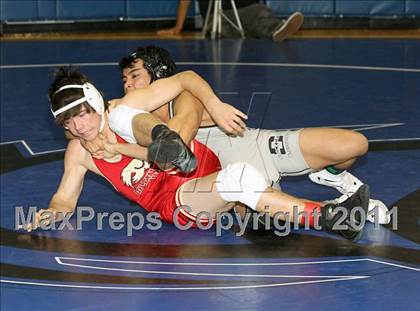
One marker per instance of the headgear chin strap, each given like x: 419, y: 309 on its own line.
x: 90, y: 95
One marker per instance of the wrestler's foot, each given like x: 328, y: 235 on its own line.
x: 167, y: 149
x: 335, y: 215
x: 377, y: 209
x: 288, y: 27
x: 347, y: 184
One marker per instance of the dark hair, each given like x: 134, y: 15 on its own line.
x: 157, y: 61
x: 65, y: 76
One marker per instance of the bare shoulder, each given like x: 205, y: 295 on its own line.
x: 114, y: 103
x: 76, y: 154
x: 77, y: 157
x: 74, y: 146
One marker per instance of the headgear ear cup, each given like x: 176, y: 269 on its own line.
x: 94, y: 98
x: 161, y: 72
x: 156, y: 61
x: 90, y: 95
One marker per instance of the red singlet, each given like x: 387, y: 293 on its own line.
x: 153, y: 189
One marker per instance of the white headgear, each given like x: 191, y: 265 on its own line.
x: 90, y: 95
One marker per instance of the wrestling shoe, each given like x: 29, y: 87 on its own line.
x: 334, y: 215
x: 347, y: 184
x: 377, y: 209
x: 344, y: 182
x: 288, y: 27
x: 167, y: 150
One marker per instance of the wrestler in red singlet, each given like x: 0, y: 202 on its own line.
x: 153, y: 189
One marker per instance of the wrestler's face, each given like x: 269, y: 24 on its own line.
x: 135, y: 76
x: 84, y: 125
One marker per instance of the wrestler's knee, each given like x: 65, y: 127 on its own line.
x: 241, y: 182
x: 357, y: 144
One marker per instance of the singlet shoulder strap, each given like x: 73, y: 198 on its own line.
x: 171, y: 109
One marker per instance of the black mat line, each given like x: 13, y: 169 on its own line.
x: 36, y: 274
x: 265, y: 244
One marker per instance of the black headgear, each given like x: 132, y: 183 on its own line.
x: 157, y: 61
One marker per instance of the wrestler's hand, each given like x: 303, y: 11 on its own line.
x: 228, y: 117
x: 42, y: 217
x: 109, y: 149
x: 95, y: 147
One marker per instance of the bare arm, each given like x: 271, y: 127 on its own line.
x: 108, y: 149
x: 65, y: 199
x: 181, y: 15
x: 163, y: 90
x: 188, y: 112
x: 131, y: 150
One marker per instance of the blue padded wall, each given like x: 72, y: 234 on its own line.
x: 19, y: 10
x: 89, y: 9
x: 347, y: 8
x: 47, y: 10
x: 412, y: 7
x: 310, y: 8
x: 39, y: 10
x: 352, y: 8
x: 150, y: 8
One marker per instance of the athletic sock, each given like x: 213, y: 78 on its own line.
x: 333, y: 170
x: 310, y: 207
